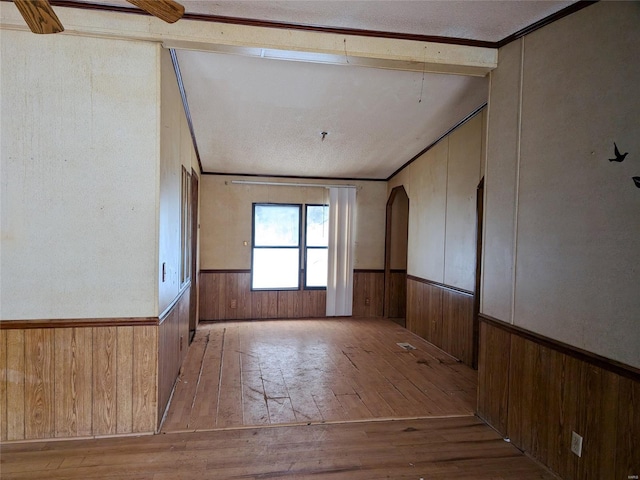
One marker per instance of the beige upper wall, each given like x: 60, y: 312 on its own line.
x: 441, y: 186
x: 575, y: 227
x: 79, y: 134
x: 498, y: 247
x: 226, y: 211
x: 176, y: 151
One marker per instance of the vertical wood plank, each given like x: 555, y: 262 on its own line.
x: 39, y: 385
x: 601, y: 413
x: 627, y: 451
x: 377, y: 300
x: 73, y: 381
x: 206, y: 296
x: 424, y: 328
x: 3, y: 385
x: 231, y: 296
x: 555, y: 416
x: 145, y: 378
x: 183, y: 328
x: 221, y: 283
x: 540, y: 419
x: 168, y: 358
x: 15, y: 385
x: 573, y: 415
x: 434, y: 314
x: 272, y: 305
x: 494, y: 368
x: 104, y: 380
x: 256, y: 304
x: 244, y: 295
x: 411, y: 307
x: 124, y: 380
x: 314, y: 303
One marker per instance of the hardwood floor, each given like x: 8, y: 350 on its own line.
x: 300, y: 399
x: 437, y: 448
x: 313, y: 371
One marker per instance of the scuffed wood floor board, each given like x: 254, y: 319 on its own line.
x: 437, y: 448
x: 310, y: 371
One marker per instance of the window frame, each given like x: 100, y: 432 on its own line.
x: 254, y: 247
x: 306, y: 247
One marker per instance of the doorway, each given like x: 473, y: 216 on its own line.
x: 395, y: 263
x: 476, y: 292
x: 193, y: 293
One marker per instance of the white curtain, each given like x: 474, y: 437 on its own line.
x: 342, y: 204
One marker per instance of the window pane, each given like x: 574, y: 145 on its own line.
x: 275, y: 268
x: 317, y: 226
x: 317, y: 267
x: 276, y: 225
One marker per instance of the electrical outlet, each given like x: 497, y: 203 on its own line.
x: 233, y: 303
x: 367, y: 301
x: 576, y: 444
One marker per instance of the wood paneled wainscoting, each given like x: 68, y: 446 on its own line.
x: 442, y: 315
x: 173, y: 343
x: 74, y: 378
x: 227, y: 295
x: 537, y: 391
x: 397, y: 294
x: 77, y: 378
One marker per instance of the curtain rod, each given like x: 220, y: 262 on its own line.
x: 285, y: 184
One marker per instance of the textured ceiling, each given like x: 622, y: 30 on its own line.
x: 486, y: 20
x: 263, y: 116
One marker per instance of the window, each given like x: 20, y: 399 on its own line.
x: 276, y: 247
x: 279, y: 245
x: 316, y: 246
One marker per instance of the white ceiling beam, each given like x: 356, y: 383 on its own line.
x: 297, y: 45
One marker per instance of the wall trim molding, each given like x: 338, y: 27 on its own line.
x: 78, y: 322
x: 255, y: 22
x: 243, y: 270
x: 440, y: 285
x: 574, y: 7
x: 293, y: 177
x: 225, y: 270
x: 591, y: 358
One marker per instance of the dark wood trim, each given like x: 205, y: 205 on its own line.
x: 574, y: 7
x: 185, y: 103
x: 478, y: 279
x: 167, y: 311
x: 398, y: 270
x: 434, y: 143
x: 355, y: 270
x: 441, y: 285
x: 250, y: 22
x: 254, y: 22
x: 605, y: 363
x: 78, y: 322
x: 213, y: 270
x: 257, y: 175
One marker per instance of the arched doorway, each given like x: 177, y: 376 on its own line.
x: 395, y: 262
